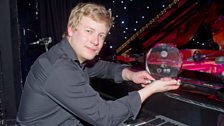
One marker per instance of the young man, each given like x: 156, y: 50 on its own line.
x: 57, y: 89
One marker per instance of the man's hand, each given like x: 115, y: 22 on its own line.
x: 142, y: 77
x: 162, y: 85
x: 138, y: 77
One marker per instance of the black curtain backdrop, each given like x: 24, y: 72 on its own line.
x: 10, y: 76
x: 53, y: 18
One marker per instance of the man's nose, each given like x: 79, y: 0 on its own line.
x: 95, y: 40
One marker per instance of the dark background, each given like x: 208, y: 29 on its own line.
x: 24, y: 22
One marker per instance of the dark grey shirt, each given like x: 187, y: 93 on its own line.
x: 57, y: 92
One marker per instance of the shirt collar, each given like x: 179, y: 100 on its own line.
x: 67, y: 48
x: 70, y: 51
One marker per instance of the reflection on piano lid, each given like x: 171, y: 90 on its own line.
x: 199, y: 101
x: 206, y: 66
x: 199, y: 78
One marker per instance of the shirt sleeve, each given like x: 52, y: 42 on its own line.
x: 106, y: 70
x: 69, y: 87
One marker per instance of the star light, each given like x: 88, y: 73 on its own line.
x: 127, y: 13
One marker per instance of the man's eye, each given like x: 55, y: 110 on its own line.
x: 102, y: 36
x: 88, y: 31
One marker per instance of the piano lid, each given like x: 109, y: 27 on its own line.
x: 176, y: 24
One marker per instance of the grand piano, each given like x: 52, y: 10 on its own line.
x: 200, y: 100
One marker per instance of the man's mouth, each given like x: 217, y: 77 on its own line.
x: 91, y: 49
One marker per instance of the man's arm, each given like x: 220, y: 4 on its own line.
x: 106, y: 70
x: 69, y: 87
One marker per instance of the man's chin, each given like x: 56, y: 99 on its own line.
x: 90, y: 57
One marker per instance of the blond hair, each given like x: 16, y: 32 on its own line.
x: 95, y: 11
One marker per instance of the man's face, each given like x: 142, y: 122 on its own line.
x: 88, y: 38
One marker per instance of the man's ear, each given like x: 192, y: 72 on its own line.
x: 70, y: 31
